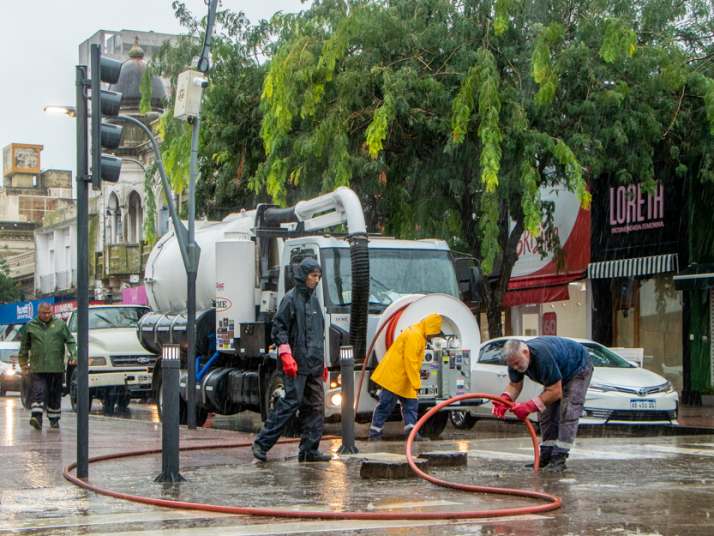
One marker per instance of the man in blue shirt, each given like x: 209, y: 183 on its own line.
x: 564, y: 368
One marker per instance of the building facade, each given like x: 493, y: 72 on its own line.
x: 118, y: 211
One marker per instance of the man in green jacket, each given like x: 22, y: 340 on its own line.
x: 42, y: 356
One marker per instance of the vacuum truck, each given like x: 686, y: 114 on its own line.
x: 370, y: 284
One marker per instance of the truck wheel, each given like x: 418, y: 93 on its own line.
x: 201, y: 413
x: 73, y: 393
x: 274, y: 392
x: 434, y: 426
x: 462, y: 420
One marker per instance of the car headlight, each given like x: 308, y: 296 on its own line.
x: 10, y: 372
x: 97, y: 361
x: 336, y: 400
x: 668, y: 387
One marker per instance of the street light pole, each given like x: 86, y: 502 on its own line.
x: 82, y: 276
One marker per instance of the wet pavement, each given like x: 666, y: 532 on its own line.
x: 618, y: 482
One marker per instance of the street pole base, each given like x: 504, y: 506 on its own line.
x: 170, y: 477
x: 347, y: 449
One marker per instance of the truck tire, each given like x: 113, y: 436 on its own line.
x: 201, y: 413
x: 435, y: 425
x: 73, y: 392
x: 276, y: 390
x: 462, y: 420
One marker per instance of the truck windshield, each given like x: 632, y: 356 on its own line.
x: 111, y: 317
x: 392, y: 272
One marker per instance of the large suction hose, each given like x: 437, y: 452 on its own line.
x: 551, y: 502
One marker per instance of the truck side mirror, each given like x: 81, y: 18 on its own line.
x: 475, y: 278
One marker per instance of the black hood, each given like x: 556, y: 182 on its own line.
x: 306, y: 267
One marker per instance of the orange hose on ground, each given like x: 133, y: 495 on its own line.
x: 552, y: 502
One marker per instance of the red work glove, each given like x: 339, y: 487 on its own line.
x: 523, y: 410
x: 290, y: 367
x: 499, y: 410
x: 325, y: 375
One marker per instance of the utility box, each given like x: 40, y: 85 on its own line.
x: 189, y: 88
x: 445, y: 372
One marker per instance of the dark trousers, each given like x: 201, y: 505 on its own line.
x: 46, y: 392
x: 559, y: 421
x: 304, y: 395
x: 387, y: 401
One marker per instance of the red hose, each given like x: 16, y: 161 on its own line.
x: 551, y: 504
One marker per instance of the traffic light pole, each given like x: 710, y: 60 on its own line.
x: 82, y: 276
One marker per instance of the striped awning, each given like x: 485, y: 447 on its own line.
x: 656, y: 264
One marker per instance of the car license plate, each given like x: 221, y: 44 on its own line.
x: 643, y: 404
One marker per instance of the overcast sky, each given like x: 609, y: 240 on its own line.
x: 39, y: 41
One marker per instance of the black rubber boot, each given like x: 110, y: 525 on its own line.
x: 557, y: 462
x: 36, y: 422
x: 314, y: 456
x: 259, y: 453
x: 546, y: 454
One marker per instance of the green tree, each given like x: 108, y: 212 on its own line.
x: 8, y: 288
x: 447, y: 117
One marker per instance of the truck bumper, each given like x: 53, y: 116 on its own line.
x: 134, y: 381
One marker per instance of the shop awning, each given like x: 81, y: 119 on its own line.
x: 696, y: 276
x: 656, y: 264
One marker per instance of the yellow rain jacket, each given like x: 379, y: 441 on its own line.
x: 398, y: 371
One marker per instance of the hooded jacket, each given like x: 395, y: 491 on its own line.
x: 42, y: 346
x: 299, y: 323
x: 398, y: 372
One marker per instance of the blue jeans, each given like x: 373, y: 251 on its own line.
x: 382, y: 412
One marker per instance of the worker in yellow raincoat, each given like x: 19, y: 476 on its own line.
x: 398, y: 375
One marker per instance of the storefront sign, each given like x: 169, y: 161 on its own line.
x: 631, y: 209
x: 21, y: 312
x: 135, y: 295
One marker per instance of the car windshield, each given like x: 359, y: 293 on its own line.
x: 112, y: 317
x: 8, y: 355
x: 604, y: 357
x: 393, y: 273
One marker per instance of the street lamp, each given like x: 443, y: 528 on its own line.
x: 58, y: 109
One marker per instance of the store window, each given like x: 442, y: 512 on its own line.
x: 648, y: 315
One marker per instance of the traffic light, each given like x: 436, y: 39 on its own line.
x: 104, y: 103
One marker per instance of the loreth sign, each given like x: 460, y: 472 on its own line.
x: 633, y: 209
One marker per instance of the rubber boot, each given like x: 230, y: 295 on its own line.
x: 313, y: 456
x: 545, y: 457
x: 557, y: 462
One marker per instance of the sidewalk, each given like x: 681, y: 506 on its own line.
x: 35, y: 498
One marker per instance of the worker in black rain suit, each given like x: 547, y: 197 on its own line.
x: 298, y: 332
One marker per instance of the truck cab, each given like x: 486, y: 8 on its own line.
x: 119, y: 367
x: 397, y: 268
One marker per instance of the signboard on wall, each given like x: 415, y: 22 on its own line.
x: 629, y: 221
x: 21, y: 312
x: 550, y: 323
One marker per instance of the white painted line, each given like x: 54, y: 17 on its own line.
x: 158, y: 515
x: 415, y: 504
x: 270, y: 528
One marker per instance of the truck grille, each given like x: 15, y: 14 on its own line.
x: 133, y: 360
x: 627, y: 415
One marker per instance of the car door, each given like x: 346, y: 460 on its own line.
x: 490, y: 374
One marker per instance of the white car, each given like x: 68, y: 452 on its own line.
x: 619, y: 392
x: 10, y: 373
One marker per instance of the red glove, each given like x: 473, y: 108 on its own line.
x: 325, y: 375
x: 523, y: 410
x: 499, y: 410
x: 290, y: 367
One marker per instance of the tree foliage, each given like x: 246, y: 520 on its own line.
x: 447, y: 117
x: 8, y: 287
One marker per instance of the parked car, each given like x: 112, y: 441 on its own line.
x: 120, y: 368
x: 619, y: 392
x: 10, y: 373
